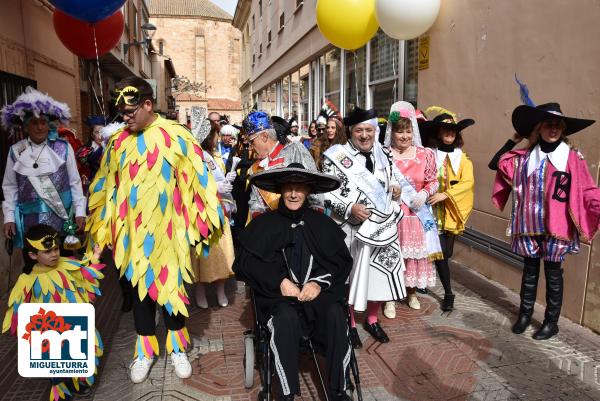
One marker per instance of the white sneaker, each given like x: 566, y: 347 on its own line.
x: 413, y: 302
x: 183, y: 368
x: 139, y: 369
x: 389, y: 310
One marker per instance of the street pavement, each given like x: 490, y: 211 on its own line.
x: 469, y: 354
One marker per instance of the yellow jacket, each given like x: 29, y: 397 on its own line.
x: 453, y: 213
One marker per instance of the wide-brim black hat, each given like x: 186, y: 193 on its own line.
x: 294, y: 173
x: 358, y: 116
x: 430, y: 128
x: 525, y: 118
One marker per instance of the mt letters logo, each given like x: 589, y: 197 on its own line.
x: 56, y: 340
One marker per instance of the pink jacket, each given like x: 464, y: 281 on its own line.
x: 560, y: 216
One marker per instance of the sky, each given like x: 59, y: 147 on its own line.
x: 227, y: 5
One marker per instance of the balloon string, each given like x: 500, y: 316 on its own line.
x: 99, y: 74
x: 355, y: 78
x: 395, y: 90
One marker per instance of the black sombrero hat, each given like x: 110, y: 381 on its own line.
x: 430, y: 128
x: 294, y: 173
x: 525, y: 118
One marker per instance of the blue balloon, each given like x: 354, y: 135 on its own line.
x: 89, y: 10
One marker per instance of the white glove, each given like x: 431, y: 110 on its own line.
x: 224, y: 187
x: 231, y: 176
x: 418, y: 200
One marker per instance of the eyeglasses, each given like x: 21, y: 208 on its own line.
x: 130, y: 113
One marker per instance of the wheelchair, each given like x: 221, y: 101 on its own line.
x: 258, y: 355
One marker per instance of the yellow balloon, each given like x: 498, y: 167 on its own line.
x: 348, y: 24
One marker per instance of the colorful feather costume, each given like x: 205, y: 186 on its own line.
x: 70, y: 281
x: 152, y: 198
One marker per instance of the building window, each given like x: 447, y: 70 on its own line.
x: 253, y: 59
x: 253, y: 24
x: 383, y: 72
x: 285, y: 97
x: 332, y: 71
x: 304, y: 91
x: 260, y: 8
x: 260, y: 50
x: 281, y: 21
x: 295, y: 98
x: 161, y: 47
x: 411, y: 72
x: 355, y: 83
x: 269, y: 38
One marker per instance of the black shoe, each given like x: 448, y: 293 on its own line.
x: 448, y: 303
x: 289, y: 397
x: 548, y: 330
x: 127, y: 304
x: 377, y: 332
x: 521, y: 324
x: 424, y: 291
x: 354, y: 338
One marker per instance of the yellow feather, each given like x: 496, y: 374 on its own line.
x: 437, y: 110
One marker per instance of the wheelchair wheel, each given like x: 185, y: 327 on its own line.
x: 249, y: 361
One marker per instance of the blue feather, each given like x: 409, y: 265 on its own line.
x: 149, y: 276
x: 129, y: 271
x: 182, y: 145
x: 148, y: 245
x: 141, y: 144
x: 133, y: 198
x: 524, y: 92
x: 166, y: 171
x: 163, y: 199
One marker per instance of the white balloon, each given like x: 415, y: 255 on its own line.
x: 406, y: 19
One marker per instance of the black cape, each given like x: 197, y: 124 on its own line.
x: 260, y: 264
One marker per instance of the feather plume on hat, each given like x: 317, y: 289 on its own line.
x: 36, y: 103
x: 437, y: 110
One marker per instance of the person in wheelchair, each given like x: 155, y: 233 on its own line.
x: 296, y: 262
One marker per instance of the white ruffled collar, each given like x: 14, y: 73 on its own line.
x: 559, y: 158
x: 48, y: 162
x: 455, y: 156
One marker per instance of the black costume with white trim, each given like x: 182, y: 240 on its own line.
x: 313, y: 247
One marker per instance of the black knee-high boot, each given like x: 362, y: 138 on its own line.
x: 554, y: 295
x: 529, y: 282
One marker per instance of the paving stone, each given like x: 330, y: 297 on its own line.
x: 469, y: 354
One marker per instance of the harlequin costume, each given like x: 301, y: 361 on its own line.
x: 41, y: 181
x: 456, y: 181
x: 282, y: 154
x: 367, y: 178
x: 152, y: 200
x: 303, y: 246
x: 555, y: 204
x: 417, y: 231
x: 70, y: 281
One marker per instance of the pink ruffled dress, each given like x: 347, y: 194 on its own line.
x: 421, y: 172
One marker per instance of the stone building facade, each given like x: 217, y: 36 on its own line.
x: 205, y: 50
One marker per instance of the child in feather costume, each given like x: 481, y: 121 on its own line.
x: 49, y: 278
